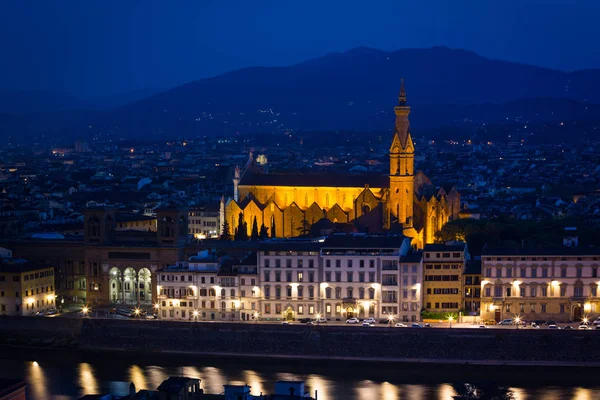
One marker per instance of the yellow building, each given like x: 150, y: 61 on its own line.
x: 443, y: 267
x: 26, y: 289
x: 287, y: 204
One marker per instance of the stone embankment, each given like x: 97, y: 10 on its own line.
x: 490, y: 346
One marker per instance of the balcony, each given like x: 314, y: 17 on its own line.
x: 389, y: 283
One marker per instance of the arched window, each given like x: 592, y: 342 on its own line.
x: 349, y: 292
x: 223, y: 306
x: 222, y: 292
x: 361, y: 293
x: 211, y: 292
x: 232, y: 292
x: 328, y: 293
x: 371, y: 293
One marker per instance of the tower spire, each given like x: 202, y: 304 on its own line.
x: 402, y: 95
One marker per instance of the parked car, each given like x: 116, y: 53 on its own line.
x: 507, y: 321
x: 304, y: 320
x: 551, y: 322
x: 427, y: 325
x: 321, y: 320
x: 400, y: 325
x: 483, y: 326
x: 52, y: 311
x: 490, y: 322
x: 152, y: 316
x: 596, y: 322
x: 367, y: 324
x: 370, y: 320
x: 540, y: 321
x: 352, y: 321
x: 40, y: 314
x: 535, y: 326
x: 568, y: 327
x: 286, y: 322
x: 553, y: 326
x: 416, y: 325
x: 583, y: 327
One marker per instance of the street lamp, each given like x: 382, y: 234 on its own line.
x: 195, y: 314
x: 517, y: 321
x: 136, y: 311
x: 318, y: 316
x: 585, y: 320
x: 85, y: 310
x: 256, y: 315
x: 390, y: 319
x: 450, y: 319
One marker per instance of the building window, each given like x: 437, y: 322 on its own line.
x: 300, y: 276
x: 300, y: 292
x: 563, y: 273
x: 522, y: 272
x: 338, y: 292
x: 533, y: 291
x: 544, y: 291
x: 562, y: 308
x: 349, y: 276
x: 579, y: 272
x: 543, y: 308
x: 563, y: 291
x: 508, y: 291
x: 534, y: 272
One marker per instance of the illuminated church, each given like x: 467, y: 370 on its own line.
x: 288, y: 204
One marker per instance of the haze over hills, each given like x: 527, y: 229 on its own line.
x: 356, y: 90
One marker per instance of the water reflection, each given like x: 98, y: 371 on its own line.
x: 136, y: 375
x: 70, y: 379
x: 36, y: 379
x: 255, y: 382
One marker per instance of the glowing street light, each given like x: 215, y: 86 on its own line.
x: 136, y: 311
x: 390, y: 319
x: 256, y: 315
x: 85, y: 310
x: 517, y: 321
x: 585, y: 320
x: 450, y: 320
x: 318, y: 317
x: 157, y: 306
x: 195, y: 314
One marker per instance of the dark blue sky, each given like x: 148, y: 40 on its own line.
x: 102, y: 47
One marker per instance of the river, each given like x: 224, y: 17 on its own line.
x: 68, y: 375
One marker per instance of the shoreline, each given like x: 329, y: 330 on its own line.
x: 294, y: 358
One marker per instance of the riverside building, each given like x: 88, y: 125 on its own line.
x: 444, y: 266
x: 559, y: 284
x: 25, y: 288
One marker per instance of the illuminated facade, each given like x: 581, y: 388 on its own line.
x: 26, y: 289
x: 444, y: 266
x: 288, y: 205
x: 555, y: 284
x: 340, y: 277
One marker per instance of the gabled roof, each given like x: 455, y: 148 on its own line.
x: 253, y: 178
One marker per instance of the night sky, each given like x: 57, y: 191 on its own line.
x: 89, y: 48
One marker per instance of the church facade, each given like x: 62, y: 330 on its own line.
x: 291, y: 204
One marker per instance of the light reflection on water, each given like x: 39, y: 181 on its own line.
x: 47, y: 380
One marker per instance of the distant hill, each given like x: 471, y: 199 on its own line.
x: 357, y: 90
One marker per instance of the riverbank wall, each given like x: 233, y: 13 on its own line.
x: 473, y: 346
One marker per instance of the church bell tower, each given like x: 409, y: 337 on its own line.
x: 402, y: 161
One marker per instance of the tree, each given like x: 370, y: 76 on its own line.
x: 273, y: 234
x: 264, y: 232
x: 254, y: 234
x: 226, y: 235
x: 241, y: 232
x: 305, y: 228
